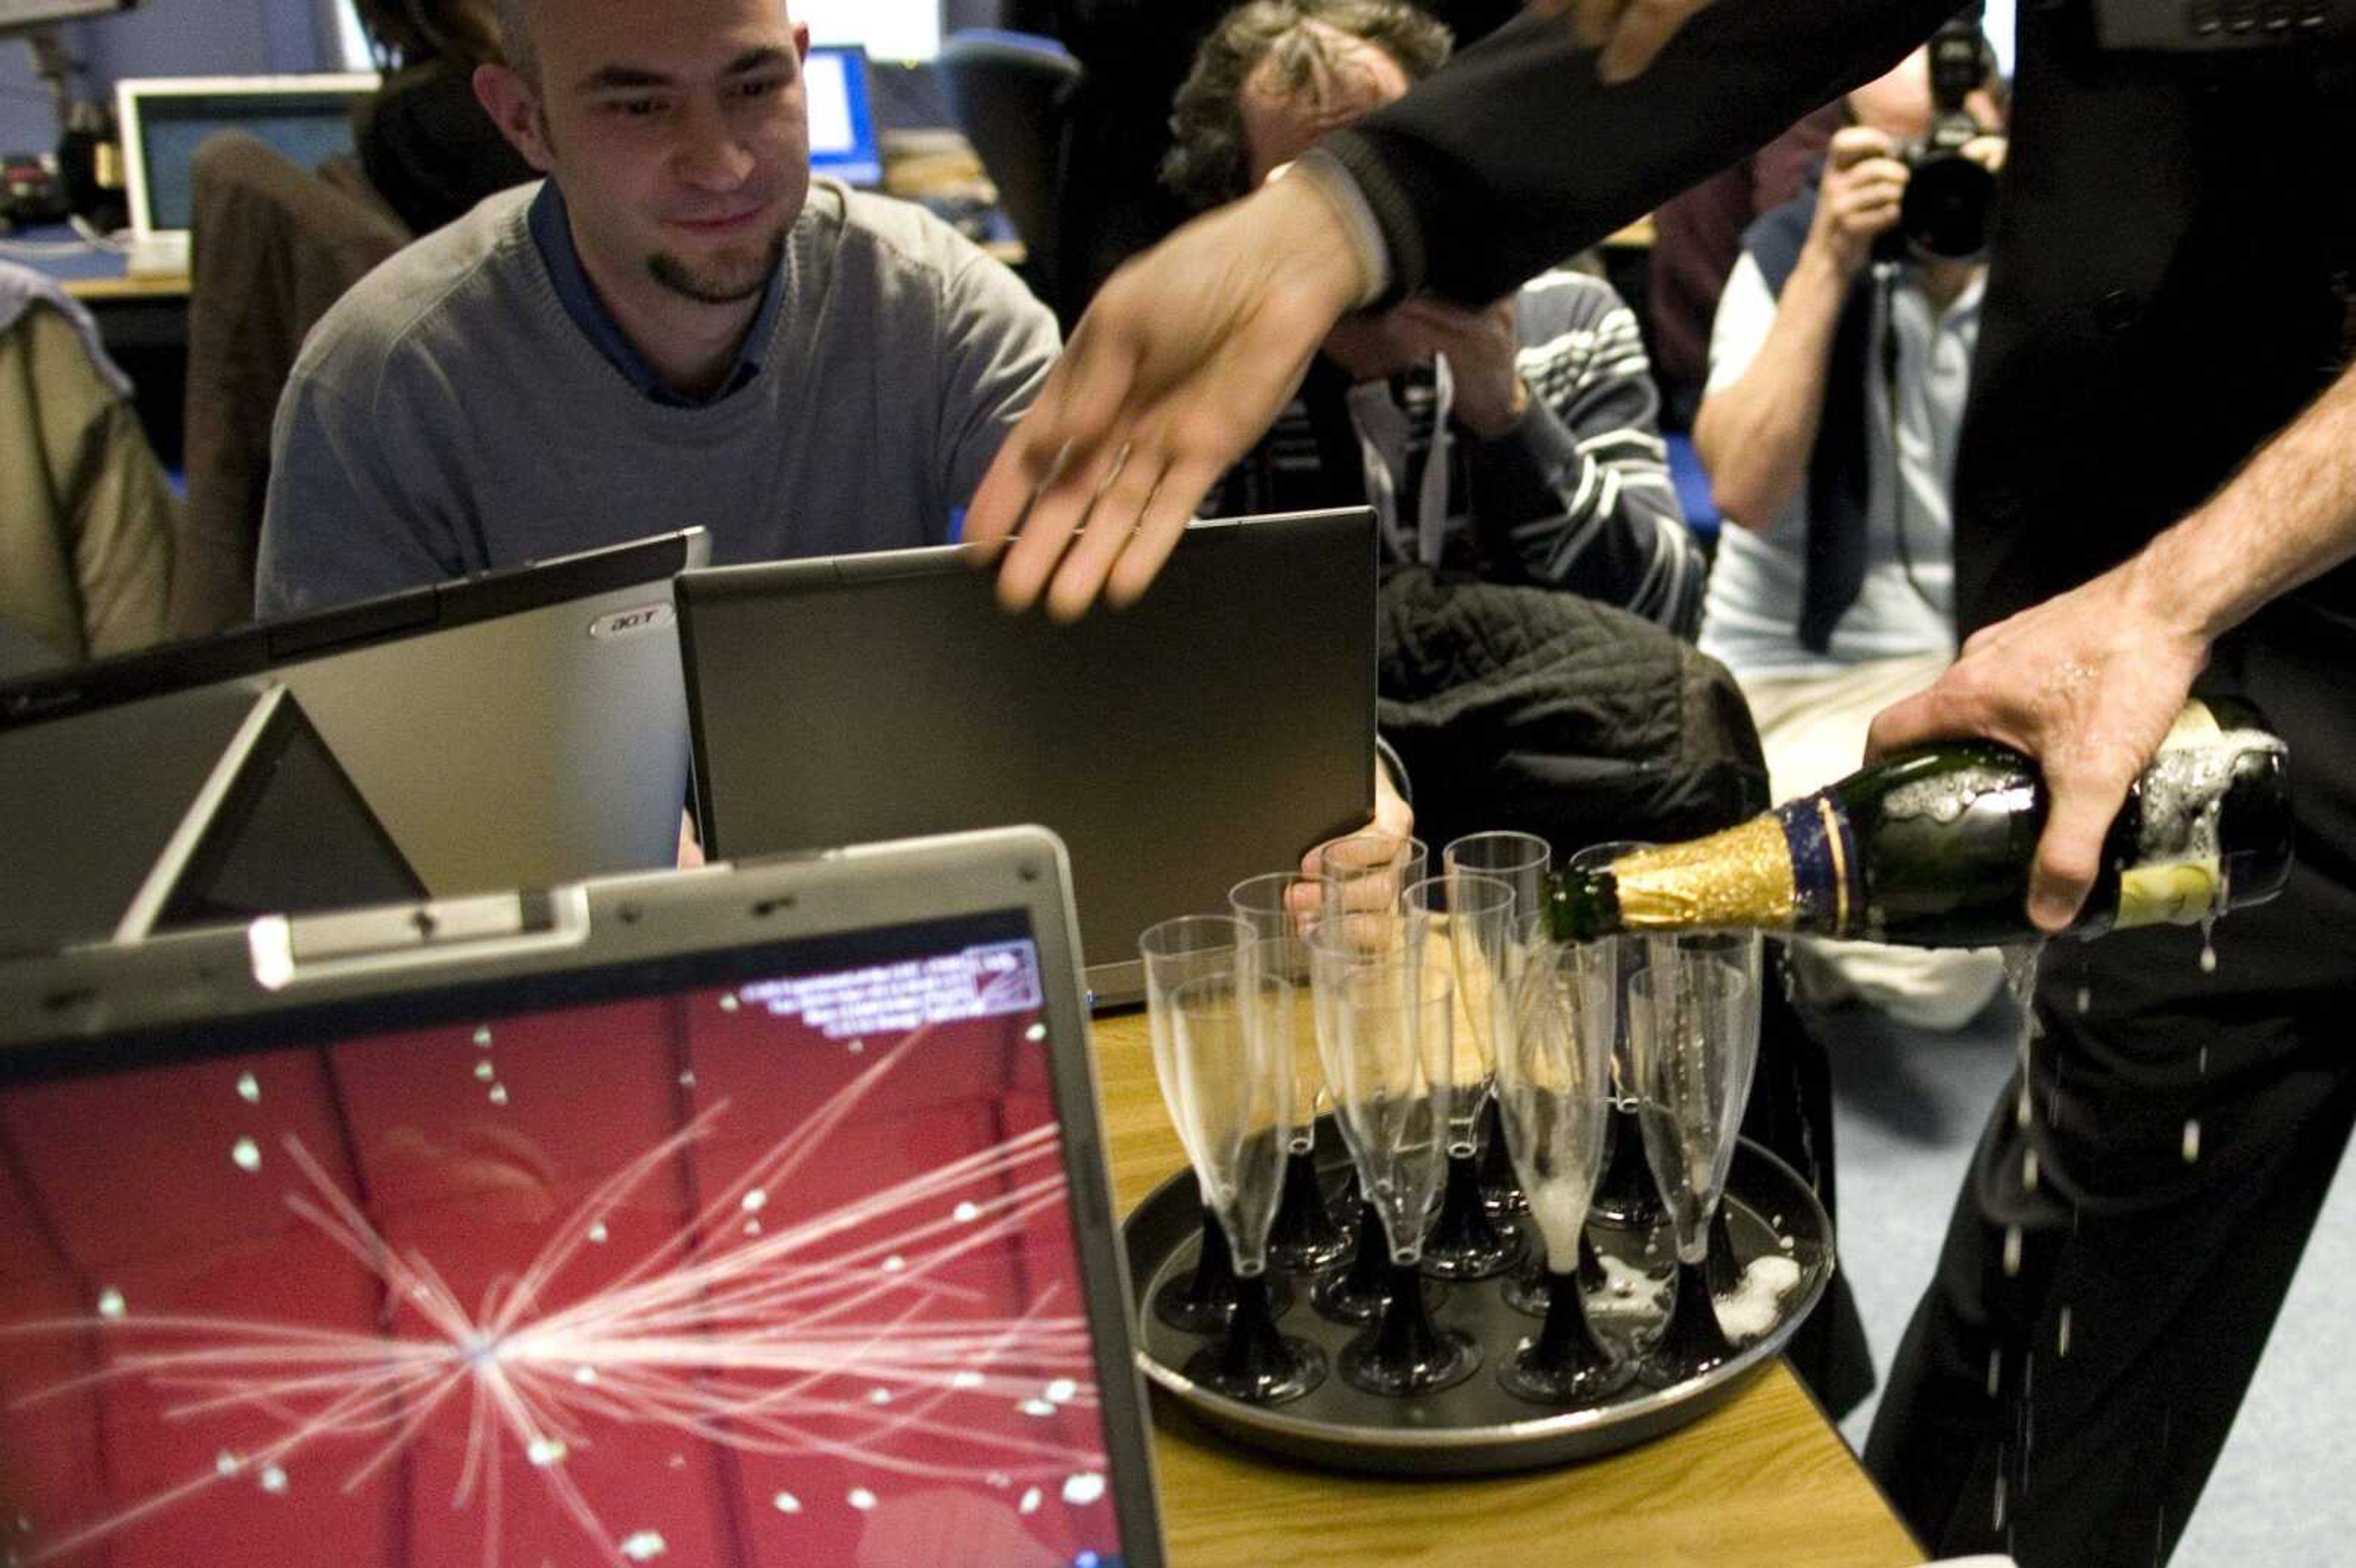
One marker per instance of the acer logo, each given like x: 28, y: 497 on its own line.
x: 630, y: 623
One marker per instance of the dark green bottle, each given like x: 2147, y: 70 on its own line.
x: 1933, y: 848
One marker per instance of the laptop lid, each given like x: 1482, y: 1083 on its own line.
x: 211, y: 804
x: 515, y: 728
x: 842, y: 138
x: 1216, y: 729
x: 163, y: 120
x: 757, y: 1215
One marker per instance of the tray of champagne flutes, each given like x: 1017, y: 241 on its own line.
x: 1522, y: 1233
x: 1477, y: 1426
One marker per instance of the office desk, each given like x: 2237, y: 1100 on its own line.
x: 1764, y: 1479
x: 92, y: 275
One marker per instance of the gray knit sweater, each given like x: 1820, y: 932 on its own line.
x: 448, y: 416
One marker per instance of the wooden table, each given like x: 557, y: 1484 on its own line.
x: 108, y: 290
x: 1763, y: 1480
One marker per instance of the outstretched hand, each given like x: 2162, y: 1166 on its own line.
x: 1185, y: 359
x: 1630, y: 32
x: 2087, y: 683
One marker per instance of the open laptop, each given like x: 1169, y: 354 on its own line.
x: 1216, y: 729
x: 842, y: 138
x: 218, y: 803
x: 515, y: 728
x: 757, y: 1215
x: 163, y: 120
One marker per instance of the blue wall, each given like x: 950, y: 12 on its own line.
x: 166, y: 38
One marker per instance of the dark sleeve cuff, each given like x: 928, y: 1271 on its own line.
x: 1394, y: 209
x: 1513, y: 476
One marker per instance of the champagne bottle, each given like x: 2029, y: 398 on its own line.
x: 1933, y: 848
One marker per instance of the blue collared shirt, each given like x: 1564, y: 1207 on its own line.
x: 551, y: 230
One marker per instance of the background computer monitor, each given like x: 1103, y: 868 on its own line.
x: 841, y: 116
x: 307, y: 118
x: 889, y: 29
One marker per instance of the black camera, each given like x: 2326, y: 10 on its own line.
x: 1949, y: 200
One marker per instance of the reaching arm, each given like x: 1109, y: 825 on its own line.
x: 1189, y: 351
x: 1476, y: 179
x: 1186, y: 358
x: 2088, y: 682
x: 1628, y: 33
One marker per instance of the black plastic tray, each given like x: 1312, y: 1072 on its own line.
x: 1477, y: 1427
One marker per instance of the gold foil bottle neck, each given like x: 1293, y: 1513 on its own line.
x: 1737, y: 879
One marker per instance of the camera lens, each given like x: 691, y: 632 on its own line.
x: 1945, y: 213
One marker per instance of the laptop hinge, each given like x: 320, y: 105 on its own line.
x: 289, y: 952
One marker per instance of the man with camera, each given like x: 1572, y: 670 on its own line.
x: 1839, y: 364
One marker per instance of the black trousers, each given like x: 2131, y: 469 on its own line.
x: 2127, y: 1231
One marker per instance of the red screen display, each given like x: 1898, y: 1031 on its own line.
x: 774, y: 1273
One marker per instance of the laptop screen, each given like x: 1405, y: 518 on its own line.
x: 309, y: 124
x: 841, y: 117
x: 762, y: 1257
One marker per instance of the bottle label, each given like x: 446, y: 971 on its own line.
x: 2177, y: 877
x: 2181, y: 894
x: 1827, y: 872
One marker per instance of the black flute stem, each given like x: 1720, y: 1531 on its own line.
x: 1305, y: 1236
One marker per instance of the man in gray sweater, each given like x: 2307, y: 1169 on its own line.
x: 678, y: 327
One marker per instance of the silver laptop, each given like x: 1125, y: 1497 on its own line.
x: 164, y: 119
x: 212, y: 803
x: 1217, y: 728
x: 516, y: 729
x: 748, y: 1216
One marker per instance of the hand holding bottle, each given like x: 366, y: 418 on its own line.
x: 2088, y: 684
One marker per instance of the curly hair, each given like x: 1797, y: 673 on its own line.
x: 407, y: 32
x: 1210, y: 162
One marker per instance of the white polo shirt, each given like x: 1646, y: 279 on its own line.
x: 1907, y: 606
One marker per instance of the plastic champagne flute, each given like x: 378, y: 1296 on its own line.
x: 1461, y: 925
x: 1392, y: 1087
x: 1693, y: 1032
x: 1554, y: 1096
x: 1232, y: 1082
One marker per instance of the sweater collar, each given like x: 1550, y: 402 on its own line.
x: 552, y: 232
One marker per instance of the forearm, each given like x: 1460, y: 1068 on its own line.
x: 1755, y: 433
x: 1475, y: 176
x: 1619, y: 540
x: 2288, y: 516
x: 1579, y: 497
x: 2090, y: 681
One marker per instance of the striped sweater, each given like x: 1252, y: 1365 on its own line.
x: 1576, y: 498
